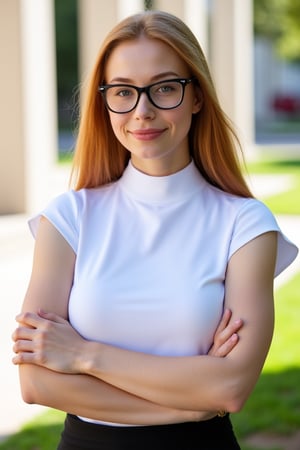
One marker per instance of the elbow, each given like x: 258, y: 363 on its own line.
x: 30, y: 385
x: 235, y: 397
x: 235, y: 405
x: 28, y: 396
x: 29, y: 392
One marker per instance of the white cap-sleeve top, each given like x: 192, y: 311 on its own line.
x: 151, y: 257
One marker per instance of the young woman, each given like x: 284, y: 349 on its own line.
x: 145, y: 273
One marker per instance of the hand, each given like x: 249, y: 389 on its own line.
x: 226, y: 337
x: 47, y: 340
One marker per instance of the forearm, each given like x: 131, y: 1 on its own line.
x: 193, y: 383
x: 87, y: 396
x: 204, y: 382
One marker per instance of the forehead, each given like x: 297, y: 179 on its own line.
x: 143, y: 59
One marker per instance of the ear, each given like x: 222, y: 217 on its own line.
x: 198, y: 100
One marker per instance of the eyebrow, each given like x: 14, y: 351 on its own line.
x: 152, y: 79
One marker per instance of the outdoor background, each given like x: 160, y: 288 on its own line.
x: 271, y: 418
x: 276, y: 70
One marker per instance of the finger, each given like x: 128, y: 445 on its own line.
x: 23, y: 345
x: 24, y: 358
x: 22, y: 333
x: 226, y: 348
x: 29, y: 319
x: 234, y: 327
x: 224, y: 320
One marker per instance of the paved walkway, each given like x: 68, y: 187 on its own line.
x: 16, y: 247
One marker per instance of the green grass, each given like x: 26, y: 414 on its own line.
x: 287, y: 202
x: 65, y: 157
x: 274, y: 405
x: 42, y: 433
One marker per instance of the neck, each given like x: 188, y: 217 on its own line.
x: 176, y: 187
x: 160, y: 167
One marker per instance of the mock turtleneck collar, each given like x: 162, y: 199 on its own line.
x: 166, y: 189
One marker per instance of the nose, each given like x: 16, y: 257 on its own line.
x: 144, y: 108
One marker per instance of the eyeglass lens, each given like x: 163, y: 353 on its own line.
x: 165, y: 95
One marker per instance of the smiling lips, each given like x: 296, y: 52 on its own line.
x: 147, y: 134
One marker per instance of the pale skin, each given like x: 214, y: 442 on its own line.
x: 49, y: 288
x: 123, y: 386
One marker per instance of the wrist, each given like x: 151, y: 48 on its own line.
x: 88, y: 361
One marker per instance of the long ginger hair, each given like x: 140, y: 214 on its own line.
x: 101, y: 159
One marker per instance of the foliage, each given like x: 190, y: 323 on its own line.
x: 66, y: 45
x: 66, y: 59
x: 279, y: 20
x: 148, y: 4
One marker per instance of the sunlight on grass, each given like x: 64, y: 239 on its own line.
x: 274, y: 404
x: 286, y: 202
x: 285, y: 349
x: 42, y: 433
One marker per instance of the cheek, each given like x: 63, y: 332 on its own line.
x: 117, y: 124
x: 182, y: 121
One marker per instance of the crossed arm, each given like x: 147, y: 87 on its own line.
x: 116, y: 385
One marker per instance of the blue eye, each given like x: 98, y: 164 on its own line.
x: 168, y: 89
x: 123, y: 92
x: 165, y: 89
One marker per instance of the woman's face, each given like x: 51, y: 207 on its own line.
x: 157, y: 139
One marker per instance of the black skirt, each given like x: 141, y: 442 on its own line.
x: 213, y: 434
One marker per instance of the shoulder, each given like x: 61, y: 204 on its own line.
x: 68, y: 210
x: 235, y: 207
x: 72, y: 203
x: 78, y: 200
x: 244, y: 219
x: 254, y: 219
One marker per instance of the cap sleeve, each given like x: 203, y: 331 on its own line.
x: 255, y: 219
x: 63, y: 213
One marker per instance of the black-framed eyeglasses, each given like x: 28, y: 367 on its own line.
x: 123, y: 98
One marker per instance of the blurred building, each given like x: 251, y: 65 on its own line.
x: 277, y: 95
x: 28, y: 116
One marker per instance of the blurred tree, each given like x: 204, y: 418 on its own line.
x: 148, y: 4
x: 66, y: 59
x: 280, y: 21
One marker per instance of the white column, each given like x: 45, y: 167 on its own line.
x: 28, y: 144
x: 39, y: 94
x: 12, y: 175
x: 95, y: 20
x: 232, y: 62
x: 128, y: 7
x: 175, y: 7
x: 196, y: 17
